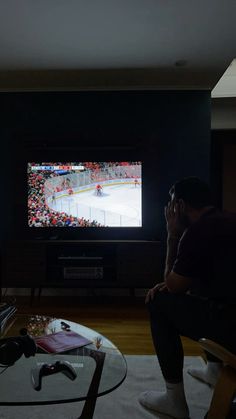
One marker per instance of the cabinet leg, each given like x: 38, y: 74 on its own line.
x: 39, y: 293
x: 32, y: 293
x: 132, y: 292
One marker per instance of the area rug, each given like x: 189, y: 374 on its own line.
x: 143, y: 374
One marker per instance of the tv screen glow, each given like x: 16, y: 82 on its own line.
x: 85, y: 194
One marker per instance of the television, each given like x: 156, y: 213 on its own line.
x: 84, y: 194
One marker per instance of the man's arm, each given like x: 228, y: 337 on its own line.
x: 177, y: 283
x: 171, y: 253
x: 173, y: 281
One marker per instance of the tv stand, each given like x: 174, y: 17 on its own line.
x: 81, y: 264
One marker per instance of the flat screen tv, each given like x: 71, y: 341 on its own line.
x: 84, y: 194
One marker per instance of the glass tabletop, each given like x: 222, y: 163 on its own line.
x: 100, y: 367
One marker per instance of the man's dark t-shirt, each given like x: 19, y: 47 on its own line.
x: 207, y: 255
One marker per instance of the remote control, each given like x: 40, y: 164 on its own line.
x: 48, y: 369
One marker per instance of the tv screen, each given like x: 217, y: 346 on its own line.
x: 85, y: 194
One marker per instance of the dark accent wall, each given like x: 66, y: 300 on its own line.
x: 168, y: 130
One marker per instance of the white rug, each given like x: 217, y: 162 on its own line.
x: 143, y: 374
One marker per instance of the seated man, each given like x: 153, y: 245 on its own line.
x: 198, y: 296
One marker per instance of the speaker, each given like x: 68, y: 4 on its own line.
x: 12, y: 348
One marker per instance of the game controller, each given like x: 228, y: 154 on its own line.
x: 48, y: 369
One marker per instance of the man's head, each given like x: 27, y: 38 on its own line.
x: 193, y: 196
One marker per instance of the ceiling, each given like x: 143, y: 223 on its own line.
x: 73, y: 44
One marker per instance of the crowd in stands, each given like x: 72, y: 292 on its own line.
x: 108, y: 165
x: 39, y: 213
x: 101, y: 171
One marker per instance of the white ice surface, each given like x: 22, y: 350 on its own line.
x: 119, y: 205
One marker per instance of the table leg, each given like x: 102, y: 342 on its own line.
x: 90, y: 403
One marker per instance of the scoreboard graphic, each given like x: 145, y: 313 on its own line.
x: 55, y: 168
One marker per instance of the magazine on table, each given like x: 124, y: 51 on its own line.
x: 61, y: 341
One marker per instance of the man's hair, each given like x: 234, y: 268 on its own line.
x: 193, y: 191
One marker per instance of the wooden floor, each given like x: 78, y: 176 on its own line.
x: 125, y: 322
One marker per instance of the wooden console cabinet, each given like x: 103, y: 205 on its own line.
x: 81, y: 264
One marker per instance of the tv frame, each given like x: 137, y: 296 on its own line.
x: 43, y: 152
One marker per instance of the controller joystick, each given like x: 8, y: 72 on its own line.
x: 48, y: 369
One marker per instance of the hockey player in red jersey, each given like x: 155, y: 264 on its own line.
x: 98, y: 190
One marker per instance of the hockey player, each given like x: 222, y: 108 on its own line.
x: 98, y: 190
x: 136, y: 183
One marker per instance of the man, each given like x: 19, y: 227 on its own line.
x: 198, y: 296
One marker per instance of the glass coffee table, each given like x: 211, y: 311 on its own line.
x: 100, y: 368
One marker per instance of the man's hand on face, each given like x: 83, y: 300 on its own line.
x: 174, y: 219
x: 151, y: 293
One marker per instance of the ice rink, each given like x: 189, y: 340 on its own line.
x: 119, y: 205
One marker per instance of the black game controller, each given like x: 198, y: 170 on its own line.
x: 47, y: 369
